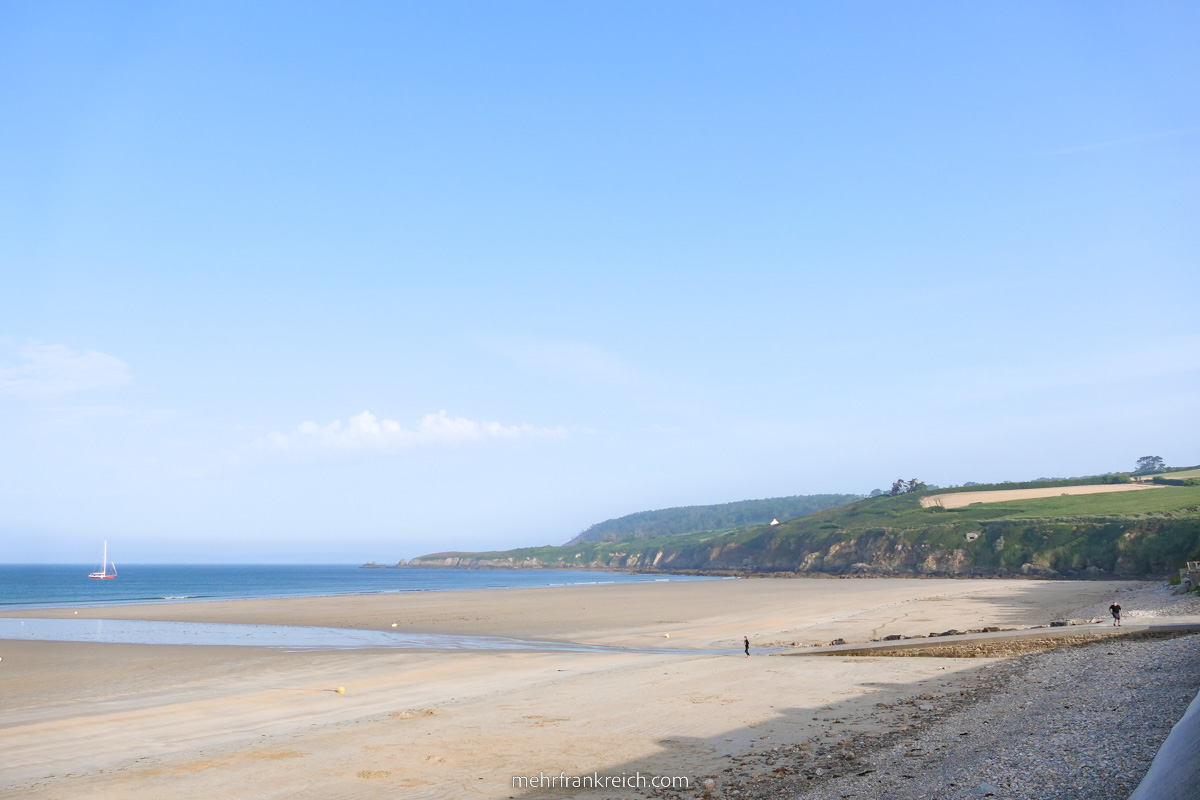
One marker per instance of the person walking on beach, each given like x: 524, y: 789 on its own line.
x: 1115, y: 608
x: 746, y: 642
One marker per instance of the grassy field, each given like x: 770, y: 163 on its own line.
x: 1168, y: 499
x: 1190, y: 473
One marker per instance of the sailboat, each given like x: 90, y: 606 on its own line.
x: 103, y: 573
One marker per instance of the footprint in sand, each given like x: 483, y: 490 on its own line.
x: 539, y: 720
x: 424, y: 712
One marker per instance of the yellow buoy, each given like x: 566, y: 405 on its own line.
x: 341, y: 690
x: 666, y: 636
x: 393, y: 624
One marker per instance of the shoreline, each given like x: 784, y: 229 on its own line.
x: 813, y: 612
x: 16, y: 609
x: 330, y: 592
x: 144, y: 721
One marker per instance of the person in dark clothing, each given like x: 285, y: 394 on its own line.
x: 746, y: 642
x: 1115, y: 608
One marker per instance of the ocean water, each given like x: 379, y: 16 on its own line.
x: 47, y: 585
x: 285, y: 637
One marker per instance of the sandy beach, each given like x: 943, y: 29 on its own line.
x: 150, y: 721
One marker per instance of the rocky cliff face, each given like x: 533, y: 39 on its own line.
x: 472, y: 562
x: 1093, y: 547
x: 861, y: 555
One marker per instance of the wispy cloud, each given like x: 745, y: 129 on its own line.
x: 1125, y: 142
x: 52, y: 370
x: 571, y: 360
x: 366, y: 433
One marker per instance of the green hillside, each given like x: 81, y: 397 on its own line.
x: 1150, y: 532
x: 1183, y: 474
x: 688, y: 519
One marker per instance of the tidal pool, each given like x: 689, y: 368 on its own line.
x: 289, y: 637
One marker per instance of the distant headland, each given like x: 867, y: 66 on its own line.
x: 1122, y: 524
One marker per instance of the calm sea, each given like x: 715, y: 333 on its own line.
x: 34, y: 585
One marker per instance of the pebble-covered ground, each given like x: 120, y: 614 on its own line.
x: 1076, y: 723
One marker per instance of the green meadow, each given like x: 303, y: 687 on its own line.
x: 1182, y: 474
x: 1168, y: 499
x: 1130, y: 533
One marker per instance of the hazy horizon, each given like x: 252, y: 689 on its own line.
x: 291, y: 283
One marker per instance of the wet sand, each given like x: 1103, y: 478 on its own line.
x: 148, y: 721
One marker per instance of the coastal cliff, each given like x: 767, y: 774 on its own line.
x: 1135, y: 533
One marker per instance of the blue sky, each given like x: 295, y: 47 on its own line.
x: 308, y: 282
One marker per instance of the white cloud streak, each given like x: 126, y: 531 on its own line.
x: 52, y: 370
x: 366, y: 433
